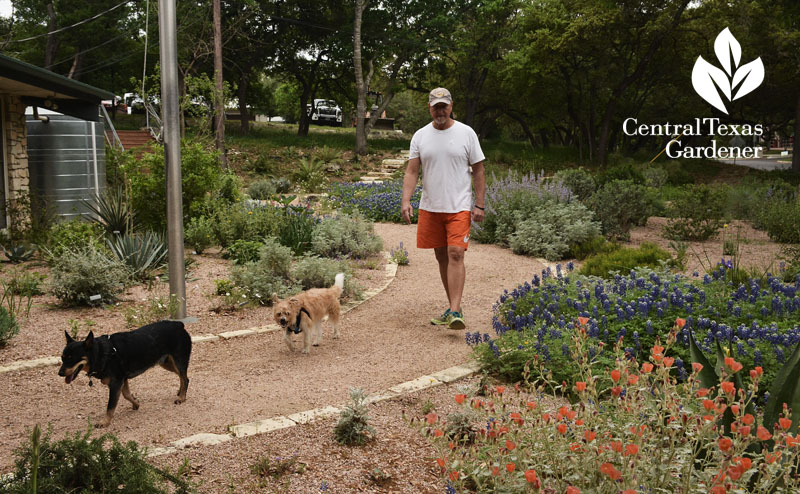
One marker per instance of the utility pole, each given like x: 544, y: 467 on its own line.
x: 219, y: 96
x: 172, y: 151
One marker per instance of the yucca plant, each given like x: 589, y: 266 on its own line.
x: 144, y: 252
x: 113, y: 211
x: 328, y: 155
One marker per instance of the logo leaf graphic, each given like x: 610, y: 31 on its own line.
x: 751, y: 75
x: 704, y: 75
x: 726, y: 46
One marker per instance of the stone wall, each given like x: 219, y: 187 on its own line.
x: 16, y: 147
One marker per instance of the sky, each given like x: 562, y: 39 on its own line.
x: 5, y: 8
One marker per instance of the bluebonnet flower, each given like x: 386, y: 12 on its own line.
x: 323, y: 486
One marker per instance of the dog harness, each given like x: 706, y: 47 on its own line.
x: 103, y: 360
x: 297, y: 329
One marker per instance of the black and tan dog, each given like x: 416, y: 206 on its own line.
x: 121, y: 356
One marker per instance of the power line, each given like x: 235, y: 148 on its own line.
x: 73, y: 25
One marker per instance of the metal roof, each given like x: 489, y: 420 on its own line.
x: 43, y: 88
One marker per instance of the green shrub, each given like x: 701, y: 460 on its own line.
x: 87, y: 276
x: 239, y: 222
x: 677, y: 174
x: 230, y: 189
x: 262, y: 190
x: 8, y: 327
x: 552, y: 228
x: 594, y: 245
x: 87, y: 465
x: 623, y: 171
x: 318, y: 272
x: 346, y: 236
x: 17, y: 252
x: 655, y: 176
x: 353, y: 427
x: 221, y: 287
x: 578, y: 180
x: 17, y: 291
x: 200, y: 175
x: 512, y: 199
x: 695, y: 214
x: 620, y: 205
x: 72, y: 234
x: 242, y: 251
x: 295, y: 229
x: 624, y: 259
x: 276, y: 258
x: 259, y: 282
x: 199, y: 234
x: 781, y: 220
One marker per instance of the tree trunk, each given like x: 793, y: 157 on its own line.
x: 361, y: 85
x: 219, y: 97
x: 795, y: 154
x: 77, y: 68
x: 51, y: 48
x: 244, y: 83
x: 305, y: 118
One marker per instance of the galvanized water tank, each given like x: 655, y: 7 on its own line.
x: 66, y: 161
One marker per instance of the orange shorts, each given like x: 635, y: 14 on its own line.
x: 443, y: 229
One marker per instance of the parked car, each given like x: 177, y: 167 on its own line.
x: 325, y: 111
x: 118, y: 101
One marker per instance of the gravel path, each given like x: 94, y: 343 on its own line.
x: 385, y: 341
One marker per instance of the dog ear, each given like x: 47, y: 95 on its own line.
x: 275, y: 298
x: 69, y: 338
x: 89, y: 340
x: 294, y: 303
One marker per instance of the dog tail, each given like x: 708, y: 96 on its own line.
x: 339, y: 282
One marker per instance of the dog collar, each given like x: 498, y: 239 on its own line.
x: 297, y: 329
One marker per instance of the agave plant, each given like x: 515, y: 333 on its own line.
x: 113, y: 211
x: 17, y: 253
x: 143, y: 252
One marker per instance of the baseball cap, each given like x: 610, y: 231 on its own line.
x: 439, y: 95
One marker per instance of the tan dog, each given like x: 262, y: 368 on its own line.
x: 304, y: 312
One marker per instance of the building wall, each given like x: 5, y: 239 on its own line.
x: 16, y: 147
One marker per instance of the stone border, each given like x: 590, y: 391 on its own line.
x: 391, y: 272
x: 271, y: 424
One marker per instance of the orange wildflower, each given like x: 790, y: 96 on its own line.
x: 633, y: 379
x: 460, y: 398
x: 501, y: 390
x: 454, y: 475
x: 510, y: 445
x: 744, y: 430
x: 668, y: 361
x: 573, y: 490
x: 727, y: 387
x: 735, y: 409
x: 431, y: 418
x: 763, y: 434
x: 647, y: 367
x: 531, y: 405
x: 616, y: 391
x: 438, y: 433
x: 495, y: 471
x: 580, y: 386
x: 725, y: 444
x: 680, y: 322
x: 748, y: 419
x: 702, y: 392
x: 718, y: 489
x: 582, y: 321
x: 562, y: 428
x: 440, y: 461
x: 708, y: 405
x: 616, y: 446
x: 697, y: 366
x: 589, y: 436
x: 631, y: 449
x: 510, y: 467
x: 608, y: 469
x: 784, y: 423
x: 530, y: 476
x: 615, y: 375
x: 771, y: 457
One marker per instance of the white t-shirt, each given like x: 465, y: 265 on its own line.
x: 445, y: 156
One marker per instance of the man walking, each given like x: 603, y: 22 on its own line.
x: 446, y: 149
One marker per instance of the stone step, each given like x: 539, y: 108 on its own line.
x: 380, y: 174
x: 393, y: 162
